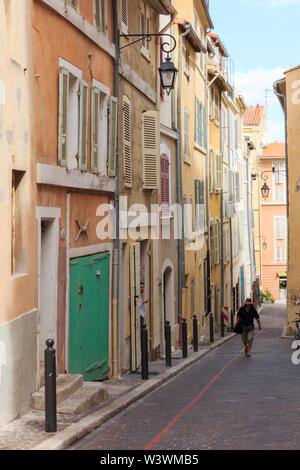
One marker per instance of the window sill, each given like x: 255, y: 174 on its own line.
x: 200, y: 148
x: 146, y: 55
x: 187, y: 160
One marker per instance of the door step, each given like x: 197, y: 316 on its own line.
x: 88, y: 396
x: 73, y: 396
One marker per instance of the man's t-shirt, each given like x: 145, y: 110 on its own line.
x: 247, y: 318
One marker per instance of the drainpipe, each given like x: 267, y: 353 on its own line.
x: 181, y: 266
x: 222, y: 217
x: 116, y: 312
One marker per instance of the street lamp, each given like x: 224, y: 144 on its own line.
x: 265, y: 190
x: 167, y: 70
x: 168, y: 73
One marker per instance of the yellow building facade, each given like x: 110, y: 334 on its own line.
x: 288, y: 93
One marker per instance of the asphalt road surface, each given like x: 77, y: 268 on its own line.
x: 224, y: 401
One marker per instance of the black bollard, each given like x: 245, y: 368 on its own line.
x: 50, y: 387
x: 195, y: 333
x: 168, y: 344
x: 211, y: 327
x: 144, y: 352
x: 184, y: 338
x: 222, y: 325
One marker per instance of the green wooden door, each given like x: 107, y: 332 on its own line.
x: 89, y: 310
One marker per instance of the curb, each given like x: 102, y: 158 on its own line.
x: 76, y: 431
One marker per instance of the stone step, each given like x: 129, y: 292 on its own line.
x: 66, y: 385
x: 88, y: 396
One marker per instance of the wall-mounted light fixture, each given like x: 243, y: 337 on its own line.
x: 167, y: 70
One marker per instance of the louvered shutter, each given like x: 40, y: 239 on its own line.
x: 186, y: 134
x: 63, y: 117
x: 83, y: 124
x: 217, y: 242
x: 219, y: 171
x: 237, y: 187
x: 164, y: 180
x: 150, y: 149
x: 100, y: 16
x: 212, y: 244
x: 124, y: 15
x: 95, y: 117
x: 112, y: 135
x: 127, y: 141
x: 143, y: 28
x: 201, y: 206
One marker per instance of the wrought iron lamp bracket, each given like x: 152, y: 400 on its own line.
x: 148, y: 37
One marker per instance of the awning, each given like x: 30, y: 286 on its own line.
x: 282, y: 274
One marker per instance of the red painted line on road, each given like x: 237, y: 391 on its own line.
x: 176, y: 418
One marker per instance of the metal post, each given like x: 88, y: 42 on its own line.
x: 195, y: 333
x: 222, y: 325
x: 144, y: 351
x: 211, y: 327
x: 184, y: 338
x: 168, y: 344
x: 50, y: 387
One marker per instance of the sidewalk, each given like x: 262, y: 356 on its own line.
x: 27, y: 433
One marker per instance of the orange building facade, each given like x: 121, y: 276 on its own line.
x: 273, y: 237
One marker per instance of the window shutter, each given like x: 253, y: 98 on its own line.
x: 164, y: 179
x: 63, y: 116
x: 217, y: 242
x: 212, y: 245
x: 150, y: 149
x: 186, y: 134
x: 219, y: 171
x: 201, y: 205
x: 127, y: 141
x: 147, y: 32
x: 100, y: 16
x: 237, y: 187
x: 112, y: 135
x: 95, y: 111
x: 124, y: 15
x: 83, y: 124
x: 142, y: 28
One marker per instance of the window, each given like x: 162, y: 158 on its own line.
x: 200, y: 123
x: 145, y: 29
x: 187, y: 60
x: 199, y: 205
x: 186, y: 136
x: 218, y: 171
x: 73, y: 118
x: 127, y: 141
x: 103, y: 130
x: 279, y: 190
x: 150, y: 139
x: 18, y: 223
x: 101, y: 16
x: 165, y: 181
x: 124, y: 16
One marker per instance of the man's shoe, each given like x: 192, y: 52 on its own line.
x: 248, y: 354
x: 246, y: 351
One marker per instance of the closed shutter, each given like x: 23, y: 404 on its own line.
x: 112, y: 135
x: 100, y: 16
x: 201, y: 206
x: 212, y: 244
x: 237, y: 187
x: 192, y: 296
x: 142, y: 28
x: 63, y: 116
x: 127, y: 141
x: 164, y: 180
x: 280, y: 228
x: 219, y: 171
x: 83, y: 124
x: 186, y: 135
x: 217, y: 242
x: 95, y: 117
x: 150, y: 149
x: 211, y: 169
x: 124, y: 15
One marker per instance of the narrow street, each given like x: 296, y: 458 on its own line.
x: 224, y: 401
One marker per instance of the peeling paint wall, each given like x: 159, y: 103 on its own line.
x: 18, y: 283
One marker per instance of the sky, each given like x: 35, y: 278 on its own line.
x: 262, y: 37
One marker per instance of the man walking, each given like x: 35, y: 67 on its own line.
x: 245, y: 316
